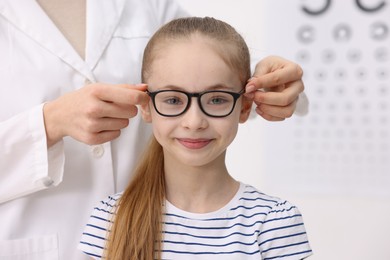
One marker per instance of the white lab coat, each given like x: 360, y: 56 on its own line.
x: 46, y: 196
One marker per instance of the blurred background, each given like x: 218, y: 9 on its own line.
x: 333, y: 163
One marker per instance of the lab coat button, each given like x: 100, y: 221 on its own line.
x: 47, y: 181
x: 87, y: 82
x: 97, y: 151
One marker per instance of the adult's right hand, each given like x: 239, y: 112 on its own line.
x: 94, y: 114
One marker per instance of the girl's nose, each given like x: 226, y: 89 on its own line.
x: 194, y: 118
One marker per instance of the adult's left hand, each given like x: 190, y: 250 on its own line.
x: 275, y: 88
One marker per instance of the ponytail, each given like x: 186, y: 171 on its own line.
x: 136, y: 233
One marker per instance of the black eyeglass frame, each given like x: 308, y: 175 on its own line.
x: 198, y: 95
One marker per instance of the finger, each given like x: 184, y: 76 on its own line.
x: 99, y: 138
x: 94, y: 126
x: 102, y: 109
x: 265, y: 79
x: 271, y: 64
x: 109, y: 124
x: 107, y: 136
x: 283, y: 98
x: 277, y: 111
x: 123, y: 94
x: 113, y: 110
x: 268, y: 117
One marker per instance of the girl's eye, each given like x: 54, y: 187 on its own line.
x: 218, y: 101
x: 173, y: 101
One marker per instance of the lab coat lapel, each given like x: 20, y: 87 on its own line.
x: 102, y: 20
x: 29, y: 17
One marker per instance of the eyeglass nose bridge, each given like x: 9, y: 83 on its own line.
x: 190, y: 96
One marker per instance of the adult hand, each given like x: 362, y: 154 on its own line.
x: 94, y: 114
x: 275, y: 87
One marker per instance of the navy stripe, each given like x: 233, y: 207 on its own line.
x: 212, y: 253
x: 210, y: 237
x: 97, y: 227
x: 102, y: 219
x: 253, y: 191
x: 285, y: 246
x: 283, y: 218
x: 256, y: 206
x: 215, y: 219
x: 108, y: 204
x: 281, y: 237
x: 258, y: 198
x: 281, y: 256
x: 278, y: 228
x: 213, y: 228
x: 95, y: 236
x: 281, y: 203
x: 103, y: 210
x: 282, y: 210
x: 112, y: 198
x: 89, y: 244
x: 208, y: 245
x: 90, y: 254
x: 229, y: 227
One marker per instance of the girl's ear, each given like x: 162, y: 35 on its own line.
x: 146, y: 113
x: 246, y: 108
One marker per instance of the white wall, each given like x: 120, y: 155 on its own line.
x: 334, y: 163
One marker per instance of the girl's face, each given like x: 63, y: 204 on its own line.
x: 193, y: 138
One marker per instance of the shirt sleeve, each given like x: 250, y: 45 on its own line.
x: 283, y: 234
x: 94, y: 237
x: 26, y: 164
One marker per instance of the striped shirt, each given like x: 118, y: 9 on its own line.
x: 252, y: 225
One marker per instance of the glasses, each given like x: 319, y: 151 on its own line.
x: 214, y: 103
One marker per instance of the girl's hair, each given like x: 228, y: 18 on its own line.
x: 136, y: 232
x: 136, y: 229
x: 225, y: 39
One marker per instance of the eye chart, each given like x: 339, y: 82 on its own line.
x: 343, y: 145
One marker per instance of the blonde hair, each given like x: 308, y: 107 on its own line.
x: 136, y: 229
x: 228, y: 42
x: 137, y: 232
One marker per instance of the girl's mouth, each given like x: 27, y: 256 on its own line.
x: 194, y: 143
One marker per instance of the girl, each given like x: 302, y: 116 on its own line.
x: 182, y: 202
